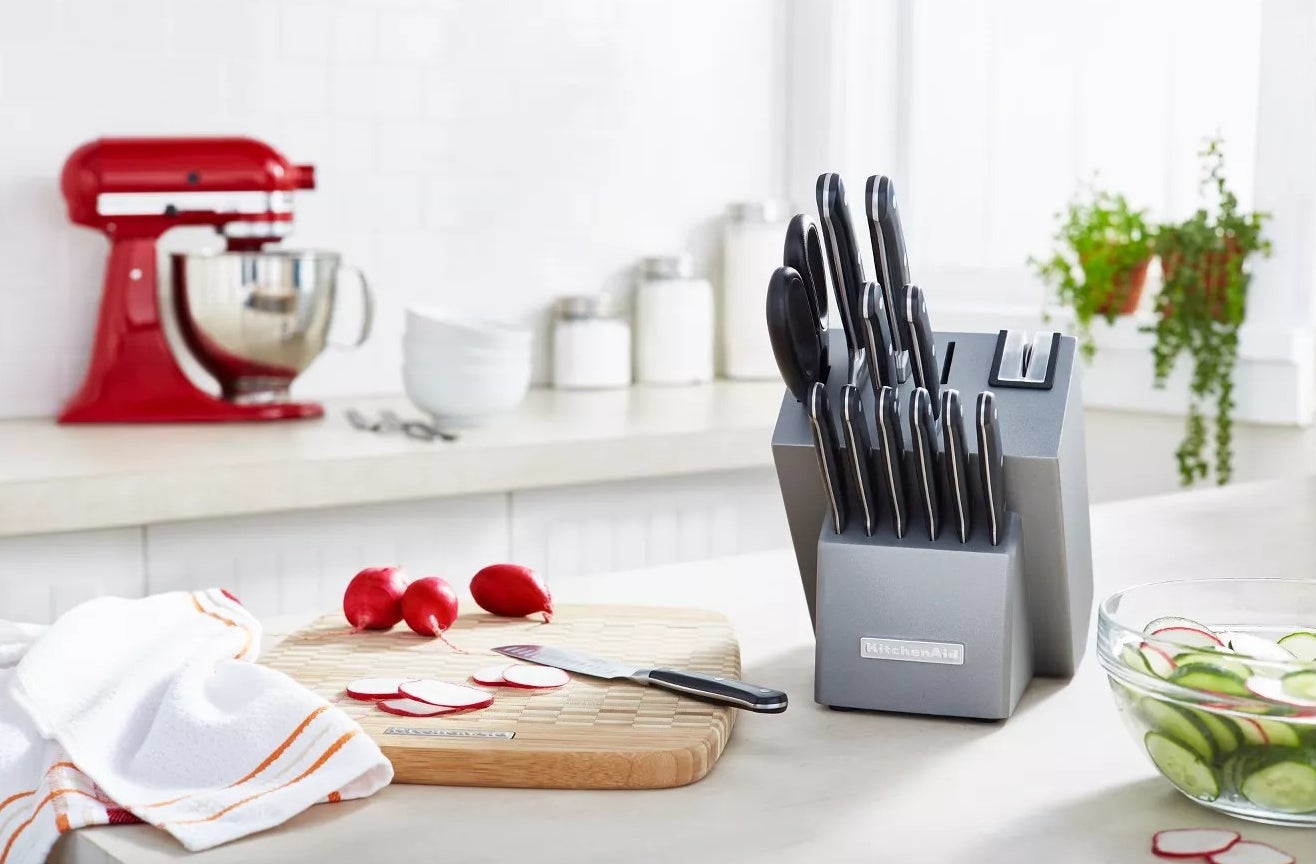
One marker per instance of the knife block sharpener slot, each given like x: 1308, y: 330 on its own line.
x: 1020, y: 363
x: 945, y: 364
x: 922, y: 627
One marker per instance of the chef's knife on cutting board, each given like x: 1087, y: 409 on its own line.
x: 991, y: 464
x: 922, y: 349
x: 957, y: 478
x: 925, y: 460
x: 859, y: 445
x: 847, y: 272
x: 828, y: 452
x: 891, y: 453
x: 729, y: 691
x: 888, y: 239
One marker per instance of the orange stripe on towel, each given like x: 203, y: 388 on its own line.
x: 62, y: 823
x: 246, y: 645
x: 335, y: 797
x: 324, y: 757
x: 265, y: 763
x: 12, y: 798
x: 58, y: 793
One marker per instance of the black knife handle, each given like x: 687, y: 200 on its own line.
x: 925, y: 460
x: 847, y: 271
x: 887, y: 238
x: 877, y: 338
x: 728, y: 691
x: 991, y: 464
x: 891, y: 448
x: 922, y: 345
x: 957, y: 478
x: 828, y: 451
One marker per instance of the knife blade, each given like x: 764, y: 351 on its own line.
x: 991, y: 464
x: 712, y: 688
x: 877, y: 338
x: 860, y: 447
x: 888, y: 240
x: 923, y: 349
x: 847, y: 271
x: 891, y: 455
x: 925, y: 460
x: 828, y: 452
x: 957, y: 478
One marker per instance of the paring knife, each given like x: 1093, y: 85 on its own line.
x: 729, y: 691
x: 860, y: 446
x: 828, y: 452
x: 847, y: 272
x: 888, y: 239
x: 925, y: 459
x: 922, y: 349
x: 991, y: 464
x: 877, y: 338
x: 957, y: 480
x: 891, y: 453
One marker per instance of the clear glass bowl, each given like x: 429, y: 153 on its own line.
x: 1218, y: 741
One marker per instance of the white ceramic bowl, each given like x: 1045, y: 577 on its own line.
x: 432, y: 324
x: 465, y: 393
x: 447, y: 351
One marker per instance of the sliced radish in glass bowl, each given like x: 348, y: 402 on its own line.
x: 1214, y: 679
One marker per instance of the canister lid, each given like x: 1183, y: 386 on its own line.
x: 754, y: 211
x: 582, y: 307
x: 667, y: 267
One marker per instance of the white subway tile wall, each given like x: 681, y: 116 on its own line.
x: 299, y: 562
x: 487, y: 156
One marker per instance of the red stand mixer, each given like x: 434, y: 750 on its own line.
x: 136, y: 189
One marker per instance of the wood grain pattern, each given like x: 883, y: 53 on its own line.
x: 590, y: 734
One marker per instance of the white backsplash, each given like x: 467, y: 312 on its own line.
x: 483, y: 155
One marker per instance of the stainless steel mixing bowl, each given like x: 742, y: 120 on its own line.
x: 255, y: 320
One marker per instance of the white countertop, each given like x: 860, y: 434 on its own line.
x: 70, y: 478
x: 1061, y: 781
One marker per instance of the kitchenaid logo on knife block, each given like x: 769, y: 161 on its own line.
x: 912, y: 651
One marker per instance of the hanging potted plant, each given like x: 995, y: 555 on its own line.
x: 1098, y: 265
x: 1202, y: 303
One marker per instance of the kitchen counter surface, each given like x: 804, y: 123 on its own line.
x: 1061, y: 781
x: 71, y: 478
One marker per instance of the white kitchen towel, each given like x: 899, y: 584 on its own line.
x: 154, y: 710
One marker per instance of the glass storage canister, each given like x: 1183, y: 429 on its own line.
x: 591, y: 345
x: 673, y: 323
x: 751, y: 250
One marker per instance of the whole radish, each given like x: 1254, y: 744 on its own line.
x: 373, y: 599
x: 512, y: 591
x: 429, y: 606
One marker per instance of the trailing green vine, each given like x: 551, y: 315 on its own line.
x: 1102, y: 248
x: 1201, y: 304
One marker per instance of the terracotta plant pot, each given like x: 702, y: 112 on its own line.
x: 1128, y: 294
x: 1214, y: 277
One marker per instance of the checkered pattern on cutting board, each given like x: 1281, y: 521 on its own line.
x: 587, y: 716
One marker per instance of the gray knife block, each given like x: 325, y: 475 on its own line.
x: 1046, y: 488
x: 922, y: 626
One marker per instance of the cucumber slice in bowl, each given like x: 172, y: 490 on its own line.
x: 1211, y: 679
x: 1178, y: 724
x: 1301, y: 685
x: 1214, y: 658
x: 1286, y: 786
x: 1224, y: 734
x: 1301, y: 644
x: 1183, y: 767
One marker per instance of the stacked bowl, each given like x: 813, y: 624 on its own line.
x: 462, y: 370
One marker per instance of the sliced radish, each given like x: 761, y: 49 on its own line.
x: 414, y: 708
x: 490, y: 676
x: 538, y: 677
x: 1174, y: 621
x: 372, y: 689
x: 1192, y: 842
x: 1253, y: 732
x: 1274, y: 690
x: 1194, y: 637
x: 444, y: 693
x: 1255, y: 646
x: 1158, y: 660
x: 1251, y: 852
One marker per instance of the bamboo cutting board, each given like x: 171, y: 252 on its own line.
x: 590, y: 734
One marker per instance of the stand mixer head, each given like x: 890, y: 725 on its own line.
x: 136, y: 189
